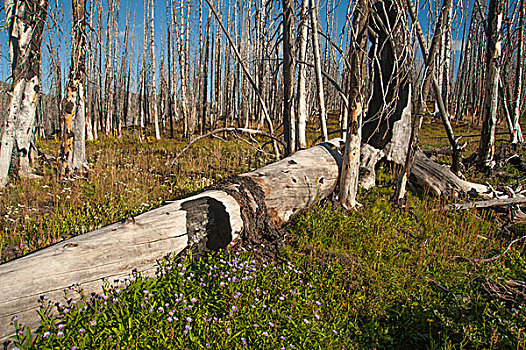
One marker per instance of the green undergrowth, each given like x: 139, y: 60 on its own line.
x: 378, y: 277
x: 375, y: 278
x: 125, y: 178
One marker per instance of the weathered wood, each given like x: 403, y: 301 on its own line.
x: 439, y: 180
x: 497, y: 202
x: 445, y: 151
x: 212, y: 219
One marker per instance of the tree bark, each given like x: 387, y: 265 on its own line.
x: 486, y: 150
x: 351, y: 153
x: 211, y: 220
x: 301, y: 101
x: 25, y: 20
x: 289, y: 122
x: 317, y: 63
x: 72, y: 151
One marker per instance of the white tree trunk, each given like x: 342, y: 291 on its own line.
x: 317, y: 68
x: 517, y: 132
x: 486, y: 150
x: 25, y: 21
x: 79, y: 129
x: 154, y: 80
x: 302, y: 77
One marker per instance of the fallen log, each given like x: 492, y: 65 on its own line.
x: 425, y: 174
x: 445, y: 151
x: 439, y: 180
x: 241, y: 207
x: 497, y: 202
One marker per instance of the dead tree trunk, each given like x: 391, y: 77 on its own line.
x: 351, y: 153
x: 25, y: 20
x: 317, y: 68
x: 389, y: 66
x: 154, y: 79
x: 270, y: 196
x: 517, y: 133
x: 73, y: 150
x: 486, y: 148
x: 301, y: 102
x: 289, y: 123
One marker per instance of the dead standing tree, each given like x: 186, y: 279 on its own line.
x: 25, y: 20
x: 386, y: 125
x: 151, y: 23
x: 317, y: 68
x: 351, y: 154
x: 73, y: 151
x: 429, y: 59
x: 517, y: 133
x: 289, y: 123
x: 301, y: 102
x: 486, y: 150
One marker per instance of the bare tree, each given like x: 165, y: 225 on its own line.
x: 151, y: 27
x: 486, y: 150
x: 301, y: 102
x: 289, y: 123
x: 318, y: 70
x: 517, y: 133
x: 351, y: 154
x: 25, y: 21
x: 73, y: 151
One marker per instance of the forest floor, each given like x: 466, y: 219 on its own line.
x: 379, y: 277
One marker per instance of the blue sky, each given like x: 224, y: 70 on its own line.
x: 63, y: 38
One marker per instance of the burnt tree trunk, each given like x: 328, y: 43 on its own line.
x: 486, y: 149
x: 25, y: 20
x: 72, y: 151
x: 351, y: 153
x: 289, y: 121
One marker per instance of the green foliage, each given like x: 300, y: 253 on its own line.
x: 375, y: 278
x: 228, y: 301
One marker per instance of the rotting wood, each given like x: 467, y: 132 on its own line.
x: 439, y: 180
x: 271, y: 196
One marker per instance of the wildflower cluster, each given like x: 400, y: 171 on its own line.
x: 233, y: 300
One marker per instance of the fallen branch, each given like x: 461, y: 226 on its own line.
x: 435, y: 283
x: 446, y: 151
x: 462, y: 136
x: 498, y: 202
x: 478, y: 260
x: 217, y: 131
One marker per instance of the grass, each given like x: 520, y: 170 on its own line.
x: 125, y: 178
x: 378, y: 277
